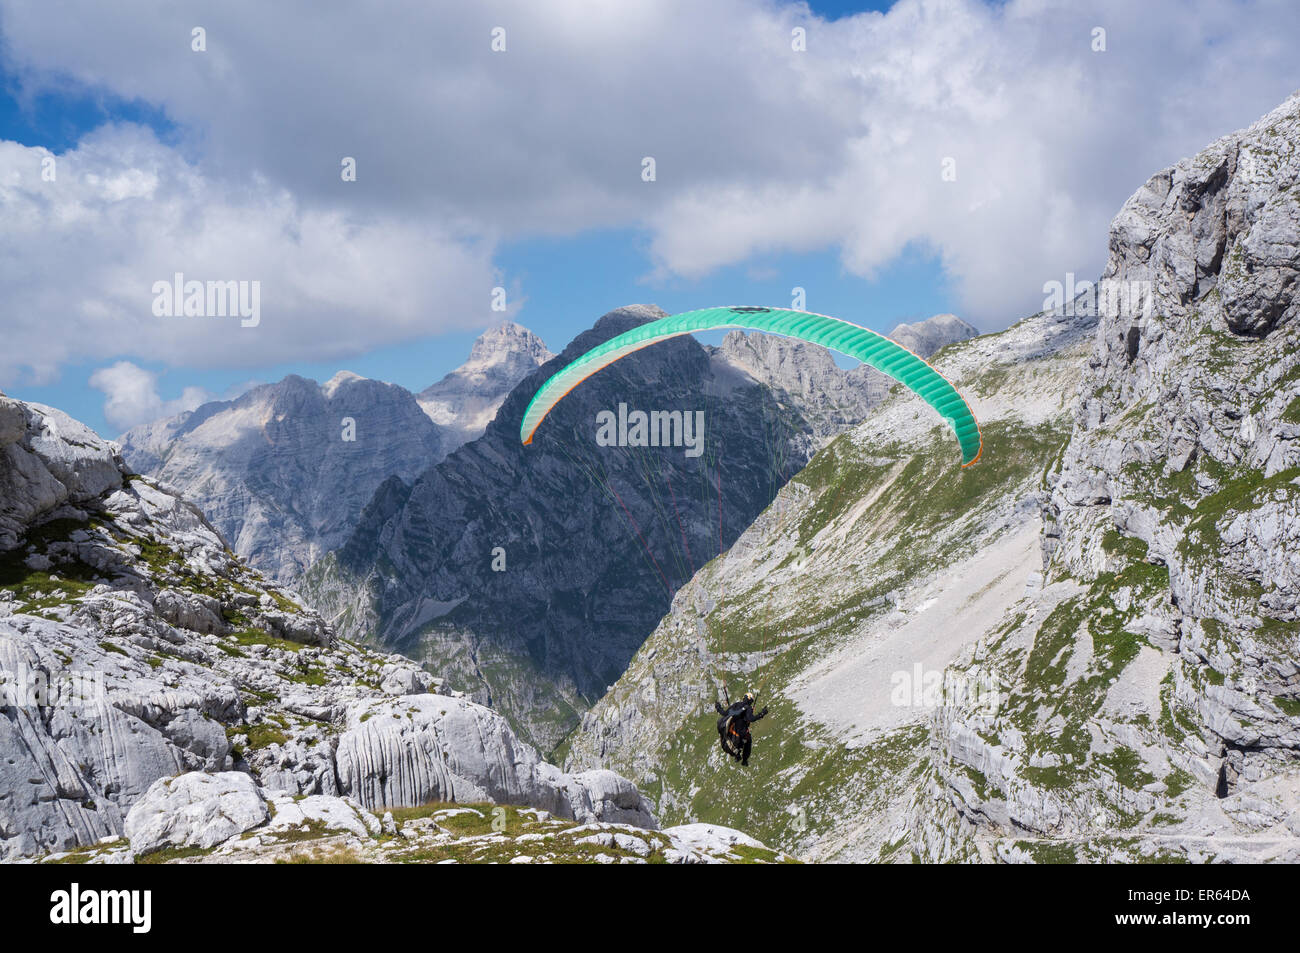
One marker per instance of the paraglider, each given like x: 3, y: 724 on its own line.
x: 866, y: 345
x: 733, y: 727
x: 873, y: 349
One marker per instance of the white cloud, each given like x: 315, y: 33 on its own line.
x: 1047, y: 139
x: 759, y: 149
x: 131, y: 395
x: 79, y: 258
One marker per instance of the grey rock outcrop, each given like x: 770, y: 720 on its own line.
x: 195, y: 810
x: 48, y: 460
x: 135, y: 648
x: 426, y: 748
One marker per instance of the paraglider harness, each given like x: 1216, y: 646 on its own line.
x: 733, y: 726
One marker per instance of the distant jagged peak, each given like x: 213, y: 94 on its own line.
x: 921, y: 337
x: 331, y: 386
x: 508, y: 349
x: 467, y: 399
x: 499, y: 342
x: 832, y: 398
x: 772, y: 348
x: 924, y: 338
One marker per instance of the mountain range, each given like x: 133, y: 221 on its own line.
x: 284, y: 470
x: 291, y: 471
x: 1082, y: 648
x: 531, y: 574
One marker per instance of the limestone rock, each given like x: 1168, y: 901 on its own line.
x: 194, y: 611
x: 422, y: 748
x: 195, y: 810
x: 323, y: 811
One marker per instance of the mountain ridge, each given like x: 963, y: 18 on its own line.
x: 286, y: 468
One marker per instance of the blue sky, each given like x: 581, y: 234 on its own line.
x: 819, y: 171
x: 568, y: 284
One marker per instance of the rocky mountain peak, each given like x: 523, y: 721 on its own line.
x: 622, y: 319
x: 1206, y: 247
x: 505, y: 342
x: 284, y: 469
x: 924, y: 338
x: 466, y: 400
x: 331, y: 386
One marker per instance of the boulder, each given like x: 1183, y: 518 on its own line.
x: 323, y: 812
x: 195, y: 810
x: 421, y: 748
x: 190, y: 610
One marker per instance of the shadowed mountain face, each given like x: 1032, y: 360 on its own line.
x: 533, y: 573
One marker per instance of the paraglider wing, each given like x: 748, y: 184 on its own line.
x: 865, y: 345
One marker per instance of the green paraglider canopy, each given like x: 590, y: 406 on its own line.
x: 865, y: 345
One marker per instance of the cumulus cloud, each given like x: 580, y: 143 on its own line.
x: 1044, y: 136
x: 759, y: 148
x: 131, y: 395
x: 80, y: 257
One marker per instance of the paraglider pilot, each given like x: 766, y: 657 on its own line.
x: 733, y: 727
